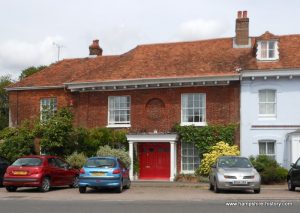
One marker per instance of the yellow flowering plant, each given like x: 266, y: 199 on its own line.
x: 220, y: 149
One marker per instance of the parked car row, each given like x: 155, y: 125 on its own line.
x: 45, y: 171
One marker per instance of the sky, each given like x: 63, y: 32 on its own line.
x: 31, y: 30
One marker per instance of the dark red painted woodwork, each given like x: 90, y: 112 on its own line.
x: 154, y: 159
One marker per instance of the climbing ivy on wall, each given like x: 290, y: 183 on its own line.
x: 206, y: 136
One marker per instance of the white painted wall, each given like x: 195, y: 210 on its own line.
x: 288, y: 113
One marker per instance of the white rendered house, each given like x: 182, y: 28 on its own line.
x: 270, y: 100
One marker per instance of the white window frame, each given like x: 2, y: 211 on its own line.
x: 46, y: 103
x: 266, y: 102
x: 189, y: 156
x: 271, y: 155
x: 114, y: 124
x: 259, y: 54
x: 201, y: 98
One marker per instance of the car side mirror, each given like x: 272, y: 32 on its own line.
x: 214, y: 166
x: 292, y: 165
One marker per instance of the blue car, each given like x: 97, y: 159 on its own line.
x: 104, y: 172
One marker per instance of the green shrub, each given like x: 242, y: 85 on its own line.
x: 106, y: 136
x: 220, y: 149
x: 76, y: 160
x: 16, y: 142
x: 56, y: 134
x: 106, y: 150
x: 270, y: 171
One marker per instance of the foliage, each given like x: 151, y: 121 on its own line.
x: 107, y: 136
x: 270, y: 171
x: 207, y: 136
x: 29, y: 71
x: 56, y: 134
x: 16, y: 142
x: 220, y: 149
x: 4, y: 82
x: 76, y: 160
x: 119, y: 153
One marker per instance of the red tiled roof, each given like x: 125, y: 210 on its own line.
x: 214, y: 57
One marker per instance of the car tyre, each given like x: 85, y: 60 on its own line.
x: 256, y: 191
x: 128, y: 185
x: 211, y: 187
x: 291, y: 186
x: 82, y: 189
x: 11, y: 188
x: 75, y: 182
x: 120, y: 188
x: 216, y: 188
x: 45, y: 187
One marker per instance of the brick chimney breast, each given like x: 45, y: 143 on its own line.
x: 242, y: 30
x: 95, y: 49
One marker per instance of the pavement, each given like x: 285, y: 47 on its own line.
x: 155, y: 191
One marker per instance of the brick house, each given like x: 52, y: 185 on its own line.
x: 147, y: 91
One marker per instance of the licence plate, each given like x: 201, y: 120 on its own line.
x: 240, y: 182
x: 19, y: 172
x: 98, y: 174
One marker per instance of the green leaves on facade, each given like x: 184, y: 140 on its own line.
x: 206, y: 136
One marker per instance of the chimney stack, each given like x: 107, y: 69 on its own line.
x: 95, y: 49
x: 242, y: 29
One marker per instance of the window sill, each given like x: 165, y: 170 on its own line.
x: 267, y: 59
x: 118, y: 126
x: 193, y: 124
x: 267, y: 117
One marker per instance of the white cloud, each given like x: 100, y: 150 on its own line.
x: 16, y: 55
x: 201, y: 29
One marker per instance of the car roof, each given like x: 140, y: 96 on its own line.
x: 107, y: 157
x: 232, y: 156
x: 39, y: 156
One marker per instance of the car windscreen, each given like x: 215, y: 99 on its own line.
x: 234, y: 162
x: 100, y: 162
x: 28, y: 162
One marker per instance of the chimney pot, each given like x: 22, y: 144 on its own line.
x: 239, y: 14
x: 245, y: 14
x: 95, y: 49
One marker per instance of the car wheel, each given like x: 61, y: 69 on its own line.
x: 216, y: 189
x: 128, y: 185
x: 45, y: 187
x: 211, y: 187
x: 291, y: 186
x: 82, y: 189
x: 120, y: 188
x: 11, y: 188
x: 256, y: 191
x: 75, y: 182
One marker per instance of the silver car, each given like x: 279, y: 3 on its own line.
x: 234, y: 173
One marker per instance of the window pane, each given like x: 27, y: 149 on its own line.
x: 262, y: 96
x: 193, y: 108
x: 262, y: 148
x: 264, y: 50
x: 189, y: 155
x: 270, y: 96
x: 119, y: 110
x: 270, y: 108
x: 271, y: 149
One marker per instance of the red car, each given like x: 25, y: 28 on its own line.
x: 40, y: 171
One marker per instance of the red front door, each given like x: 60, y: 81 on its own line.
x: 154, y: 159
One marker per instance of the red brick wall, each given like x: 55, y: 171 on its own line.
x: 26, y: 104
x: 153, y: 109
x: 159, y: 109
